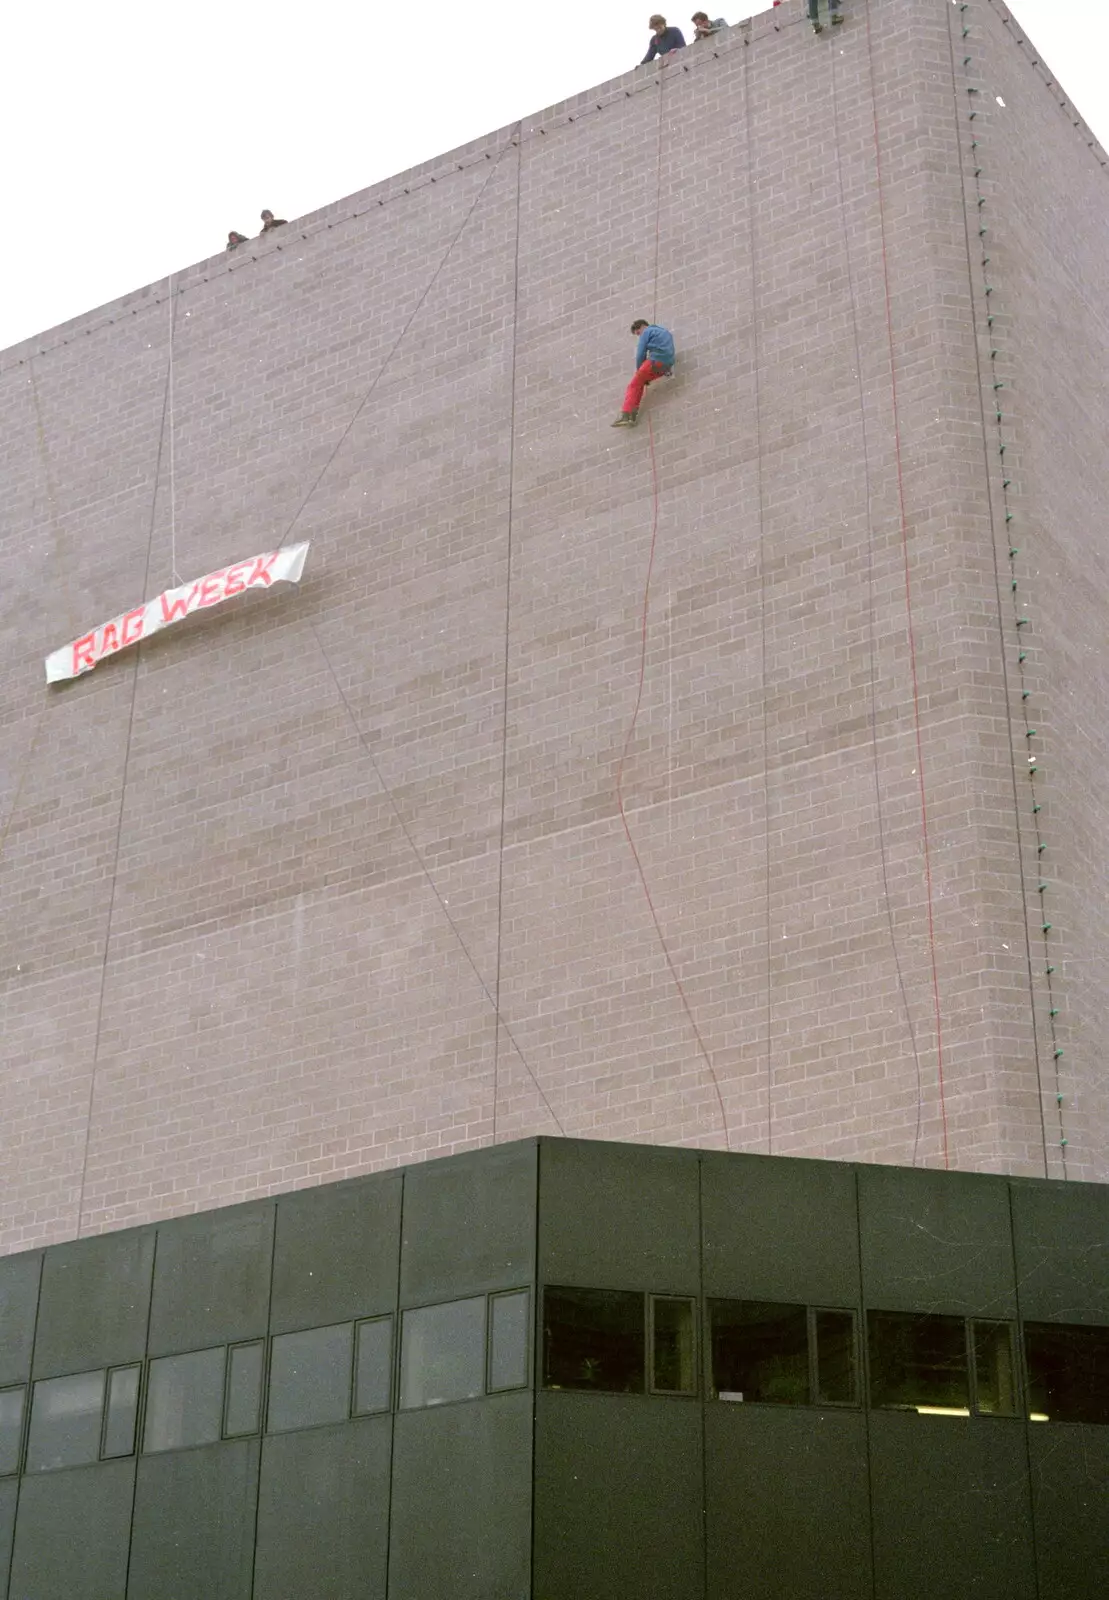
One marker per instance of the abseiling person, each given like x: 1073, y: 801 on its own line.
x: 654, y: 358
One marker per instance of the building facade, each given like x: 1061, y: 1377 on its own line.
x: 563, y: 1369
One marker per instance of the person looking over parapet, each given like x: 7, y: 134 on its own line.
x: 665, y: 39
x: 234, y: 240
x: 703, y: 28
x: 269, y: 221
x: 835, y: 16
x: 654, y: 358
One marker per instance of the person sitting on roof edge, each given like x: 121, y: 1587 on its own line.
x: 703, y: 28
x: 654, y: 358
x: 665, y: 39
x: 814, y: 14
x: 235, y: 239
x: 270, y: 221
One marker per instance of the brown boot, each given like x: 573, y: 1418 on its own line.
x: 626, y: 419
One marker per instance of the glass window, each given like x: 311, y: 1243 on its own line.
x: 373, y: 1365
x: 11, y: 1427
x: 244, y: 1389
x: 760, y: 1351
x: 310, y: 1376
x: 184, y: 1400
x: 1068, y: 1372
x: 65, y: 1422
x: 918, y: 1362
x: 994, y: 1369
x: 593, y: 1339
x: 123, y: 1411
x: 443, y: 1353
x: 836, y: 1381
x: 672, y: 1364
x: 508, y: 1340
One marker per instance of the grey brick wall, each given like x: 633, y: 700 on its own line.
x: 269, y: 881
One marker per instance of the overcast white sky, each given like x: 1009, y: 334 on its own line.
x: 135, y: 135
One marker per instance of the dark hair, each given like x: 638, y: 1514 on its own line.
x: 640, y: 322
x: 699, y: 16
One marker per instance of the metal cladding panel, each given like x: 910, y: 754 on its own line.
x: 194, y: 1524
x: 618, y: 1498
x: 336, y: 1253
x: 94, y: 1302
x: 951, y: 1509
x: 469, y: 1224
x: 212, y: 1279
x: 787, y: 1497
x: 72, y: 1532
x: 9, y: 1491
x: 936, y: 1241
x: 619, y: 1216
x: 1070, y: 1495
x: 779, y: 1230
x: 323, y: 1513
x: 461, y: 1517
x: 1061, y: 1238
x: 19, y: 1293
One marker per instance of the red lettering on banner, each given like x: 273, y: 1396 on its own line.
x: 84, y: 653
x: 210, y: 590
x: 235, y: 580
x: 262, y: 572
x: 179, y: 606
x: 133, y: 625
x: 109, y: 640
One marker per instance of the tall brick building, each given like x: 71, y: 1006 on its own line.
x: 341, y: 876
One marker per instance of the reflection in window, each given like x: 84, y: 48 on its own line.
x: 1068, y: 1372
x: 310, y: 1377
x: 836, y: 1383
x: 918, y: 1362
x: 244, y: 1389
x: 11, y: 1427
x: 65, y: 1422
x: 508, y: 1340
x: 994, y: 1369
x: 593, y: 1339
x: 443, y: 1353
x: 760, y: 1351
x: 123, y: 1411
x: 184, y: 1400
x: 373, y: 1365
x: 672, y: 1364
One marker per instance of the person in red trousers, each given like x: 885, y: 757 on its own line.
x: 654, y: 358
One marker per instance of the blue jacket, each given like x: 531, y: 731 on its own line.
x: 655, y: 344
x: 662, y: 43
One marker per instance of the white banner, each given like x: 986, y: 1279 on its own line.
x: 258, y: 573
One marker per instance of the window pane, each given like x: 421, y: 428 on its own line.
x: 508, y: 1341
x: 65, y: 1422
x: 244, y: 1389
x: 1068, y: 1372
x: 918, y: 1362
x: 11, y: 1426
x: 994, y: 1369
x: 184, y: 1400
x: 443, y: 1353
x: 123, y: 1410
x: 310, y: 1377
x: 835, y: 1358
x: 593, y: 1339
x: 760, y: 1351
x: 373, y: 1372
x: 672, y: 1346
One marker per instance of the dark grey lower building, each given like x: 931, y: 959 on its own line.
x: 569, y: 1371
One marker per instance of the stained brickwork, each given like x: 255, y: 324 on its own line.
x: 270, y: 881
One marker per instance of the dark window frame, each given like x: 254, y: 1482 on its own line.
x: 1016, y: 1361
x: 529, y: 1339
x: 267, y: 1377
x: 397, y: 1397
x: 24, y: 1425
x: 144, y: 1409
x: 140, y: 1395
x: 543, y: 1355
x: 693, y: 1391
x: 263, y: 1388
x: 1041, y: 1418
x: 391, y: 1367
x: 855, y: 1403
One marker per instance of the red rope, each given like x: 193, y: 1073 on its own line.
x: 908, y: 600
x: 620, y: 794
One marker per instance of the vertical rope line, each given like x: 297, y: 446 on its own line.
x: 904, y: 519
x: 763, y: 657
x: 52, y: 500
x: 872, y: 651
x: 507, y: 629
x: 172, y: 462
